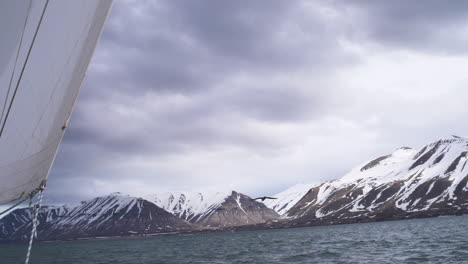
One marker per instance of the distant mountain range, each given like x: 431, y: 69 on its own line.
x: 112, y: 215
x: 407, y: 183
x: 122, y: 215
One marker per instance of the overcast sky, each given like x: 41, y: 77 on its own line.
x: 257, y: 96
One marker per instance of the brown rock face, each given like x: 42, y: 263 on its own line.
x: 238, y: 209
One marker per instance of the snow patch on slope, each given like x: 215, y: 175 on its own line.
x: 189, y: 206
x: 99, y: 209
x: 384, y: 171
x: 240, y: 204
x: 288, y: 198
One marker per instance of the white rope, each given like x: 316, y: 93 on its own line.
x: 37, y: 207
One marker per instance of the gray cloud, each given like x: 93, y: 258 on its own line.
x: 185, y: 46
x: 173, y: 48
x: 188, y: 94
x: 423, y: 26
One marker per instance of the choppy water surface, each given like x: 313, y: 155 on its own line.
x: 436, y: 240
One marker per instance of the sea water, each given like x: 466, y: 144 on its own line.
x: 435, y: 240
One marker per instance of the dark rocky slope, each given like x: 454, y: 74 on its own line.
x: 406, y: 183
x: 238, y: 209
x: 113, y: 215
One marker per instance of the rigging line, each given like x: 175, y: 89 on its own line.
x: 24, y: 67
x: 16, y: 61
x: 37, y: 208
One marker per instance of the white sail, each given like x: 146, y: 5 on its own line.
x: 45, y: 49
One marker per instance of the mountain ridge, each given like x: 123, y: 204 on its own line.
x: 110, y: 215
x: 432, y: 178
x: 216, y: 209
x: 117, y: 215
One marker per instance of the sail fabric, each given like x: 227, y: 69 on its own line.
x: 45, y: 50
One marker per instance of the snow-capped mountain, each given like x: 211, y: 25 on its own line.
x: 288, y: 198
x: 429, y: 181
x: 217, y: 209
x: 190, y: 206
x: 111, y: 215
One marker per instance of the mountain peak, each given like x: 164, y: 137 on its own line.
x: 115, y: 194
x: 404, y: 148
x: 188, y: 205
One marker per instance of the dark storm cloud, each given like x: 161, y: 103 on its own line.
x: 185, y: 46
x: 424, y: 26
x: 195, y: 49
